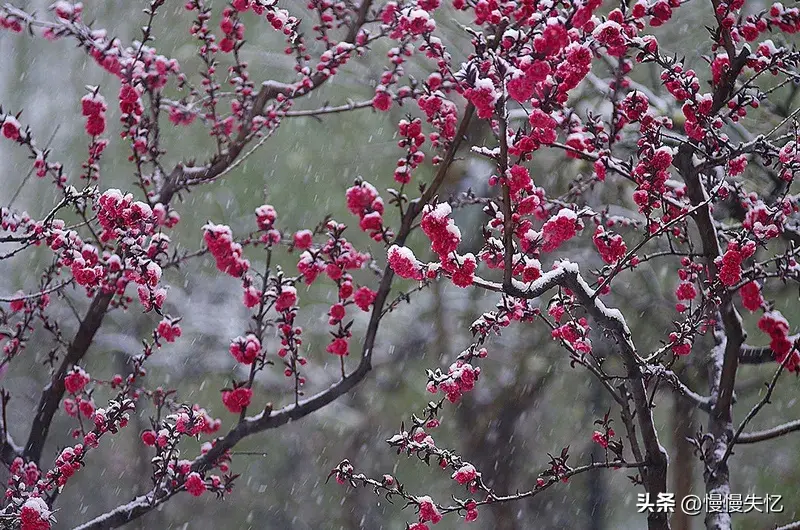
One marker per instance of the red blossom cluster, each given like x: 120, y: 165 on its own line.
x: 560, y: 228
x: 751, y: 296
x: 730, y: 264
x: 445, y: 238
x: 245, y: 349
x: 121, y: 216
x: 611, y: 246
x: 775, y: 325
x: 364, y: 201
x: 93, y: 107
x: 459, y: 379
x: 412, y: 139
x: 226, y: 251
x: 237, y: 399
x: 404, y: 263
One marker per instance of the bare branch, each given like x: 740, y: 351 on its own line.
x: 769, y: 434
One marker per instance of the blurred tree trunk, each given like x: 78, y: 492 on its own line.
x: 683, y: 460
x: 598, y: 486
x: 488, y: 444
x: 489, y: 437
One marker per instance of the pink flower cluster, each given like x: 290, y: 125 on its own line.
x: 83, y: 406
x: 762, y: 221
x: 76, y: 380
x: 364, y: 202
x: 232, y: 28
x: 121, y: 216
x: 685, y: 291
x: 775, y: 325
x: 339, y: 346
x: 483, y: 96
x: 93, y: 107
x: 428, y: 510
x: 195, y: 422
x: 414, y: 21
x: 751, y: 296
x: 237, y: 399
x: 226, y: 252
x: 680, y: 346
x: 440, y: 229
x: 559, y: 228
x: 194, y: 484
x: 461, y: 269
x: 575, y: 332
x: 651, y: 172
x: 441, y: 113
x: 610, y: 35
x: 245, y: 349
x: 524, y: 80
x: 412, y: 139
x: 460, y: 378
x: 382, y: 100
x: 364, y: 297
x: 35, y: 514
x: 519, y: 180
x: 11, y: 128
x: 28, y: 472
x: 465, y: 474
x: 265, y: 219
x: 404, y: 263
x: 12, y: 24
x: 603, y: 439
x: 286, y: 298
x: 169, y: 329
x: 730, y: 264
x: 611, y: 246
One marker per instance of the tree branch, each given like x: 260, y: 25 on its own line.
x: 54, y: 391
x: 269, y: 90
x: 270, y: 419
x: 721, y: 417
x: 759, y: 354
x: 701, y: 402
x: 769, y: 434
x: 756, y: 409
x: 611, y: 320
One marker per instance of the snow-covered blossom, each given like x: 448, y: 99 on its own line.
x: 560, y: 228
x: 404, y: 263
x: 465, y: 474
x: 35, y: 514
x: 428, y: 510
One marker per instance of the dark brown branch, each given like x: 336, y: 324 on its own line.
x: 759, y: 354
x: 9, y: 450
x: 539, y: 489
x: 756, y: 354
x: 716, y: 477
x: 701, y: 402
x: 508, y: 221
x: 54, y: 391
